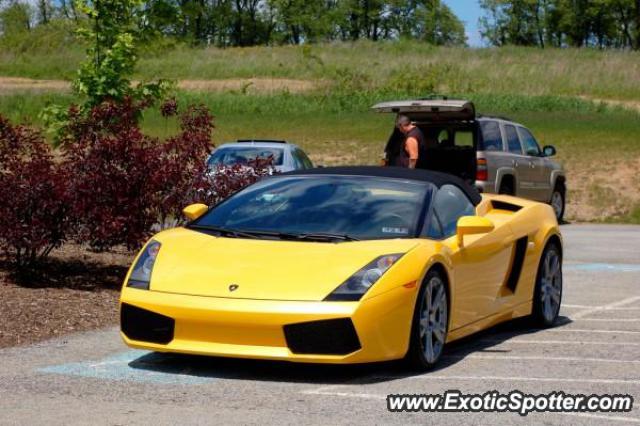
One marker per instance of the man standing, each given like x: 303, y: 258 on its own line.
x: 413, y: 148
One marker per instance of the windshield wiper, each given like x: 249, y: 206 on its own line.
x: 225, y: 232
x: 317, y: 236
x: 323, y: 236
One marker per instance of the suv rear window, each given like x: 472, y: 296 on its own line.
x: 491, y: 137
x: 512, y: 139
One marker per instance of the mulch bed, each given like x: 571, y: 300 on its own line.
x: 75, y: 290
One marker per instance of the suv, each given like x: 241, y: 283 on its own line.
x: 286, y: 156
x: 496, y: 154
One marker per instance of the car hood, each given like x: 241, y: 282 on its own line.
x: 195, y: 263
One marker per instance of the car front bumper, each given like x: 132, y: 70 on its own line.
x: 245, y: 328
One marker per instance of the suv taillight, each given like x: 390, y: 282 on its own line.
x: 481, y: 170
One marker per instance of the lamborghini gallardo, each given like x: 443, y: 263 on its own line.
x: 344, y: 265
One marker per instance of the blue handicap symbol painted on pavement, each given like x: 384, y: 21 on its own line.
x: 602, y: 267
x: 133, y: 365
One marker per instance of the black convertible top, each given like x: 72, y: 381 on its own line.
x: 436, y: 178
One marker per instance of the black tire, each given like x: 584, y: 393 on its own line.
x: 547, y: 295
x: 417, y: 357
x: 507, y: 187
x: 558, y: 201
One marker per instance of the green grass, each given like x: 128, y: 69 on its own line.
x: 543, y: 89
x: 575, y: 126
x: 363, y: 65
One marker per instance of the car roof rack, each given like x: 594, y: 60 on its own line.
x: 260, y: 141
x: 497, y: 117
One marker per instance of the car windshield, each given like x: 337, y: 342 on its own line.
x: 312, y: 207
x: 242, y: 155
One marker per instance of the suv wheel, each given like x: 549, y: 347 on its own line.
x: 558, y: 201
x: 506, y: 187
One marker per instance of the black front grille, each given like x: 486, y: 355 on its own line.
x: 145, y: 326
x: 326, y: 337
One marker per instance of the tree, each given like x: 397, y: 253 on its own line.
x: 438, y: 25
x: 111, y: 55
x: 15, y: 18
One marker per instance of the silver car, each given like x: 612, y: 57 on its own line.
x: 494, y: 153
x: 286, y: 156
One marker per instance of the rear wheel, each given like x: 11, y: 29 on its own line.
x: 507, y: 187
x: 558, y: 201
x: 430, y: 323
x: 547, y: 296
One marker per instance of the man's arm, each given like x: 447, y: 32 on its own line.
x: 411, y: 146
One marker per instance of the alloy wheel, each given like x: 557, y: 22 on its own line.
x: 433, y: 319
x: 557, y: 203
x: 551, y: 285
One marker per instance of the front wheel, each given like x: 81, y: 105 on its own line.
x: 558, y: 201
x: 548, y: 291
x: 430, y: 323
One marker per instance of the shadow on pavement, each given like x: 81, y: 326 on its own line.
x: 260, y: 370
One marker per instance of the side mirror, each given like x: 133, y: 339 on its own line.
x: 549, y: 151
x: 470, y: 225
x: 194, y: 211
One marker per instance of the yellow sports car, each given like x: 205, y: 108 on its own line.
x: 344, y: 265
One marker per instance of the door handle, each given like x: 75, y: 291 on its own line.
x: 532, y: 164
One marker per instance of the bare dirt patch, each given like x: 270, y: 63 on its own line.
x: 602, y: 189
x: 16, y: 84
x: 249, y: 85
x: 630, y: 105
x: 76, y: 290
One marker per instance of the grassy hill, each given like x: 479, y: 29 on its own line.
x: 579, y: 100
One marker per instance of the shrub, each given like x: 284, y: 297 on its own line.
x: 225, y: 181
x: 122, y: 183
x: 181, y: 171
x: 33, y: 207
x: 111, y: 168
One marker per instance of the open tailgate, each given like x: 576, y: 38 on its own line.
x: 430, y: 110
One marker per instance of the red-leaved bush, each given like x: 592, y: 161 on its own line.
x: 33, y: 196
x: 111, y: 167
x: 123, y: 185
x: 181, y: 164
x: 224, y: 181
x: 114, y: 184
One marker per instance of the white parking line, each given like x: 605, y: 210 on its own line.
x: 610, y: 319
x: 516, y: 379
x: 604, y: 417
x: 618, y: 304
x: 564, y: 305
x: 542, y: 358
x: 579, y: 330
x: 327, y: 392
x: 557, y: 342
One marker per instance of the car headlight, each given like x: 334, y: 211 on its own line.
x: 357, y: 285
x: 141, y: 275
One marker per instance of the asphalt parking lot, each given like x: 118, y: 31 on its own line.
x: 93, y: 378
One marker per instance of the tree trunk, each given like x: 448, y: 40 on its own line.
x: 638, y: 24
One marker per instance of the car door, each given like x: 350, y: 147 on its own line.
x: 296, y: 159
x: 306, y: 162
x: 480, y: 266
x: 519, y: 162
x: 538, y: 173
